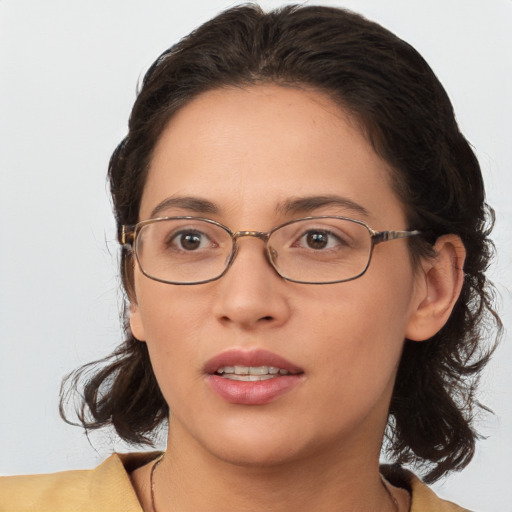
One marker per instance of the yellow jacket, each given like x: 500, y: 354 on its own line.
x: 107, y: 488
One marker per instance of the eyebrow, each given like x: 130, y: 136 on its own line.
x: 298, y: 205
x: 193, y: 204
x: 311, y: 203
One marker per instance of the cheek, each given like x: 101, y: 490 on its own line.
x: 158, y: 307
x: 169, y: 339
x: 354, y: 353
x: 361, y: 324
x: 171, y: 321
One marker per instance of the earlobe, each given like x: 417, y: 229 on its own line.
x: 136, y: 325
x: 442, y: 277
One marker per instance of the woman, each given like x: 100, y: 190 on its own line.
x: 304, y: 240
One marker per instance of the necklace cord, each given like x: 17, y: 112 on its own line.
x: 152, y: 481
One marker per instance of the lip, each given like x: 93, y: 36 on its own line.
x: 251, y: 393
x: 250, y: 358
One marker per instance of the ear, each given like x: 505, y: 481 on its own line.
x: 136, y: 324
x: 441, y: 280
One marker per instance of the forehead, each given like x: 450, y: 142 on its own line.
x: 249, y: 149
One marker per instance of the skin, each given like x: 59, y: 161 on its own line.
x: 317, y: 446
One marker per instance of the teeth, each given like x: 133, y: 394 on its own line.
x: 258, y: 370
x: 262, y: 372
x: 248, y: 378
x: 226, y: 369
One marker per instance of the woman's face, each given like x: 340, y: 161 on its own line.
x: 252, y: 154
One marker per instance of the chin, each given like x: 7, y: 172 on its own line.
x: 256, y: 456
x: 265, y: 446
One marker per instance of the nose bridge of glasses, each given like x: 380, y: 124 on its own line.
x: 270, y: 252
x: 255, y: 234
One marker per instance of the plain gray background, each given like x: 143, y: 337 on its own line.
x: 68, y: 76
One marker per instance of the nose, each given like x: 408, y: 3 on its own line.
x: 251, y: 294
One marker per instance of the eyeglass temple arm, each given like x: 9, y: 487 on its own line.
x: 386, y: 236
x: 127, y: 235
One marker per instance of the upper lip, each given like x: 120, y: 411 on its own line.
x: 239, y: 357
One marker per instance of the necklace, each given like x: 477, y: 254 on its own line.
x: 152, y: 483
x: 161, y: 457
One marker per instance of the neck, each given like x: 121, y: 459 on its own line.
x: 195, y: 480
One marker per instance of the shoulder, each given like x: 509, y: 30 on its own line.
x: 423, y: 499
x: 106, y: 487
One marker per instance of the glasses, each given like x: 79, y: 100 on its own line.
x: 313, y: 250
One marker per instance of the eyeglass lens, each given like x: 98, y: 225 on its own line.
x: 318, y: 250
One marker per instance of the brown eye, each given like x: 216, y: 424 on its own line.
x: 317, y: 239
x: 189, y: 240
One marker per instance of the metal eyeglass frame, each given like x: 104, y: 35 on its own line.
x: 129, y: 236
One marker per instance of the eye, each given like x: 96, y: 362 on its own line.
x: 319, y: 239
x: 189, y: 240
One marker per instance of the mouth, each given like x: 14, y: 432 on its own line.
x: 253, y: 377
x: 250, y: 365
x: 251, y: 373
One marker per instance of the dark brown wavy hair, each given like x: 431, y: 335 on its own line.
x: 407, y: 116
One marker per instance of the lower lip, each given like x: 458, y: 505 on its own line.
x: 252, y: 393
